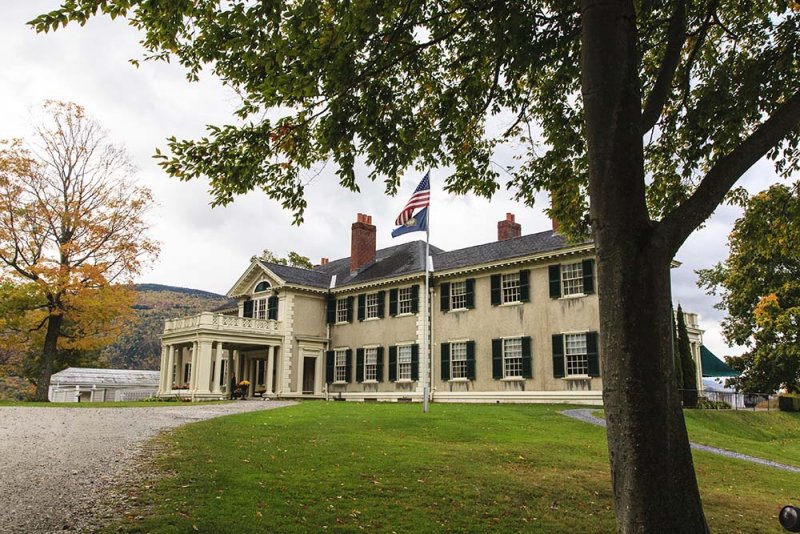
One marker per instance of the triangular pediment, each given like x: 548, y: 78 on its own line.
x: 252, y: 277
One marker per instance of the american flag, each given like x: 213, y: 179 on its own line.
x: 420, y: 199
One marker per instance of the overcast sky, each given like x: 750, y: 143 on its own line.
x: 207, y: 248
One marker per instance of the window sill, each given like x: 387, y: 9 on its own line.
x: 404, y: 381
x: 513, y: 379
x: 573, y: 296
x: 577, y: 377
x: 370, y: 319
x: 515, y: 303
x: 406, y: 314
x: 369, y: 382
x: 339, y: 323
x: 458, y: 380
x: 458, y: 310
x: 339, y: 383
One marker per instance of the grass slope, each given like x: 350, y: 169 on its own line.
x: 346, y: 467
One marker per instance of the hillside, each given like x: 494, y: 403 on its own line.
x: 140, y: 348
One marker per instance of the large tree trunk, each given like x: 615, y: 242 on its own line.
x: 49, y: 353
x: 655, y: 489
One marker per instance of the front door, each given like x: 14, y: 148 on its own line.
x: 309, y: 365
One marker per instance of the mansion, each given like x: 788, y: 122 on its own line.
x: 514, y: 320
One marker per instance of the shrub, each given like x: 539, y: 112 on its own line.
x: 789, y: 403
x: 705, y: 404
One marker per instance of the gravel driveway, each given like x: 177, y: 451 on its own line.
x: 58, y: 466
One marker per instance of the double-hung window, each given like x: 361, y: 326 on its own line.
x: 572, y: 279
x: 260, y: 309
x: 510, y: 287
x: 404, y: 298
x: 371, y: 363
x: 340, y: 365
x: 341, y: 310
x: 404, y: 362
x: 575, y: 353
x: 512, y: 358
x: 458, y: 360
x: 458, y: 295
x: 372, y: 306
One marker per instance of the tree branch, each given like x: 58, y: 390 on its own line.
x: 666, y: 72
x: 681, y: 221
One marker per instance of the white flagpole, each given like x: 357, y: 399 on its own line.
x: 426, y: 317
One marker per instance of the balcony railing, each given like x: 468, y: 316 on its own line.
x: 218, y: 321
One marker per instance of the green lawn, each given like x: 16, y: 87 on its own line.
x: 772, y: 435
x: 126, y: 404
x: 344, y: 467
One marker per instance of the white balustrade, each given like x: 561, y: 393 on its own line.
x: 218, y: 321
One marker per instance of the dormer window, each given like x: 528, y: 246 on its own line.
x: 261, y: 286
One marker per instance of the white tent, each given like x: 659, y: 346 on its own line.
x: 76, y: 384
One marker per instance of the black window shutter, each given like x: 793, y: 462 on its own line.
x: 592, y: 355
x: 524, y: 285
x: 470, y: 293
x: 588, y: 277
x: 359, y: 365
x: 362, y: 306
x: 527, y: 360
x: 497, y: 358
x: 496, y: 290
x: 471, y: 360
x: 414, y: 362
x: 272, y: 308
x: 558, y: 356
x: 445, y: 296
x: 329, y: 361
x: 348, y: 359
x: 393, y: 302
x: 379, y: 365
x: 331, y: 310
x: 349, y: 309
x: 381, y: 302
x: 393, y: 363
x: 445, y: 361
x: 554, y: 272
x: 248, y: 308
x: 415, y: 298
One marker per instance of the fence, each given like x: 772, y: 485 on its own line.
x: 725, y: 400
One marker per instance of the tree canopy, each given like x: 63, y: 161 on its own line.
x: 759, y: 286
x: 72, y: 235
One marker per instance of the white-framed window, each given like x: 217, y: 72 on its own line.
x: 261, y: 286
x: 512, y: 358
x: 223, y: 371
x: 187, y: 372
x: 404, y: 362
x: 572, y: 279
x: 577, y: 361
x: 260, y: 309
x: 371, y: 363
x: 404, y: 297
x: 458, y: 295
x: 340, y: 365
x: 458, y: 360
x: 341, y: 310
x: 510, y: 287
x: 372, y: 306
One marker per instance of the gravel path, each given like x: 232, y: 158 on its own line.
x: 59, y: 466
x: 586, y: 416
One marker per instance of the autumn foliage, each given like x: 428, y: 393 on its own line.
x: 72, y: 237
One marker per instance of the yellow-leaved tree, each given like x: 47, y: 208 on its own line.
x: 72, y: 237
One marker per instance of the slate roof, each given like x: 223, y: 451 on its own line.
x: 500, y: 250
x: 106, y: 377
x: 408, y: 258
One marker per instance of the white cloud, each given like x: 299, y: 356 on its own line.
x: 208, y: 248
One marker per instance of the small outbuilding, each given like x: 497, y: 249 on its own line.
x: 76, y: 384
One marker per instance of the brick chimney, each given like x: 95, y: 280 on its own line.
x: 362, y: 243
x: 508, y: 229
x: 324, y: 261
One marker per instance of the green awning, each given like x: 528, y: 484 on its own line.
x: 713, y: 366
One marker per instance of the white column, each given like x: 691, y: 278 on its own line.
x: 193, y: 373
x: 217, y: 368
x: 162, y: 375
x: 201, y: 366
x: 270, y: 365
x: 170, y: 368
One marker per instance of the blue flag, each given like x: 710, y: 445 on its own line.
x: 417, y: 223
